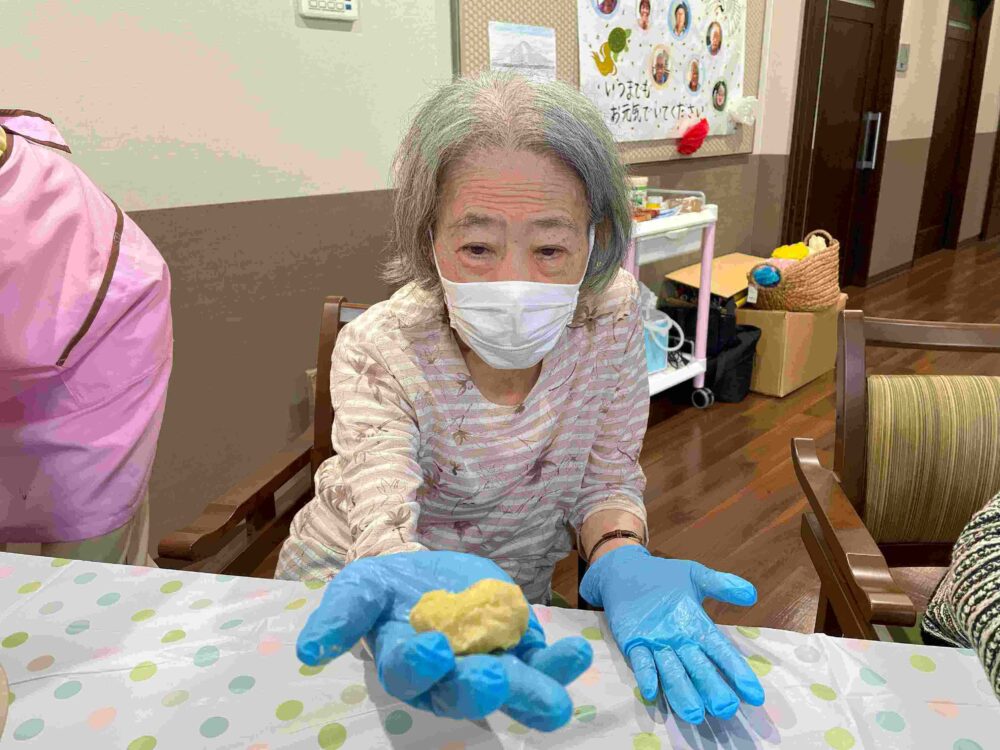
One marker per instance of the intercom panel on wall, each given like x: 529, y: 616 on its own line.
x: 329, y: 10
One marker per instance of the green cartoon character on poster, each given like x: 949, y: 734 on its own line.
x: 610, y: 50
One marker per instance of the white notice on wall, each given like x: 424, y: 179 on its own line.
x: 528, y: 50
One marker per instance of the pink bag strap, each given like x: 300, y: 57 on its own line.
x: 34, y: 127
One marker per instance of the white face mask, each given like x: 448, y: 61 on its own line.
x: 511, y: 325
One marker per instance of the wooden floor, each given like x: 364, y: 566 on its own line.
x: 720, y: 484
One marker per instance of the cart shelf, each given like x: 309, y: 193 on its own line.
x: 669, y: 237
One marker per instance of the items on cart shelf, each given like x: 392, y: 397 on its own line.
x: 804, y: 277
x: 640, y: 186
x: 645, y: 214
x: 721, y: 322
x: 663, y: 336
x: 685, y: 224
x: 655, y: 204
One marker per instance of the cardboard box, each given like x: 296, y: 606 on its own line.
x: 729, y: 280
x: 795, y: 348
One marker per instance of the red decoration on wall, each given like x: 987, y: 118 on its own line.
x: 693, y: 137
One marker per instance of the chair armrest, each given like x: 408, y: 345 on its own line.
x: 858, y: 558
x: 209, y: 532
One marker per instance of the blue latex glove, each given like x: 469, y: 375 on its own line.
x: 653, y: 607
x: 372, y: 598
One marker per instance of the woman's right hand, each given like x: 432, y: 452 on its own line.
x: 372, y: 597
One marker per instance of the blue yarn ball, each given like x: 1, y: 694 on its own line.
x: 766, y: 276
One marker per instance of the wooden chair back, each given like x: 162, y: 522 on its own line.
x: 855, y: 333
x: 337, y: 312
x: 240, y: 532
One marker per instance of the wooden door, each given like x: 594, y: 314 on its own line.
x: 845, y: 88
x: 940, y: 211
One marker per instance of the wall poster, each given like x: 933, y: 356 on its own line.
x: 655, y: 67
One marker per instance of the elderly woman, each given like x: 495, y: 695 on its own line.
x: 496, y: 401
x: 714, y: 37
x: 693, y: 76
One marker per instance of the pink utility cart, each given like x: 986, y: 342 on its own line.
x: 670, y: 236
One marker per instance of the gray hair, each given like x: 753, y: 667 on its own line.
x: 504, y: 110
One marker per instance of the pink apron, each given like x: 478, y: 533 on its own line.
x: 85, y: 345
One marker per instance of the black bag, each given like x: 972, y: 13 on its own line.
x: 721, y: 323
x: 729, y: 374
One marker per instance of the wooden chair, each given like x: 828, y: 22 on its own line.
x: 915, y: 457
x: 241, y: 532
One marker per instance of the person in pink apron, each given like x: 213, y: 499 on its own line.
x: 86, y: 347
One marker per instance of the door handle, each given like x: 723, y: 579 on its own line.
x: 869, y: 149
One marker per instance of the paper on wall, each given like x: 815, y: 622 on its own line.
x: 528, y: 50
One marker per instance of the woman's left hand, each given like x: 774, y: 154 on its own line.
x: 653, y: 607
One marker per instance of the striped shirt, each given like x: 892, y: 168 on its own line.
x: 424, y: 461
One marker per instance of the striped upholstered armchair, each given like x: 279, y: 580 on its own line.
x: 915, y: 457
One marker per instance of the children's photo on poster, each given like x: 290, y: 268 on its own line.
x: 655, y: 67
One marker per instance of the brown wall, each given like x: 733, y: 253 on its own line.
x: 899, y: 204
x: 248, y: 282
x: 978, y: 186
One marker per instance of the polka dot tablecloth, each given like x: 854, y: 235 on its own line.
x: 116, y: 657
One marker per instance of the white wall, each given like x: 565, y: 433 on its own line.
x: 989, y: 104
x: 191, y: 101
x: 914, y: 95
x: 779, y: 76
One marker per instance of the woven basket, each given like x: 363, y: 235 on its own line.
x: 808, y: 285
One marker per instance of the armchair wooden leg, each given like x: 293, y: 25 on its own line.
x: 837, y: 610
x: 826, y: 618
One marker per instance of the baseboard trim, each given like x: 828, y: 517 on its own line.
x: 889, y: 274
x: 968, y: 242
